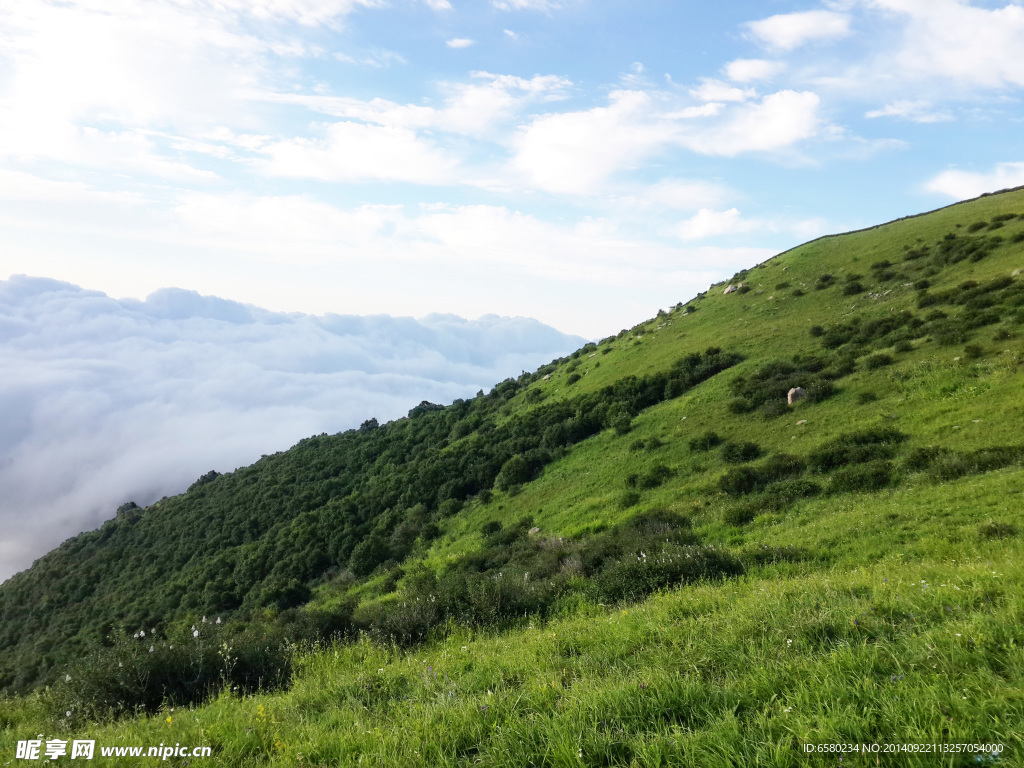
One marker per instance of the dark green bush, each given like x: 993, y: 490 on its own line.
x: 738, y: 515
x: 515, y: 471
x: 852, y: 288
x: 744, y: 480
x: 639, y: 574
x: 921, y: 459
x: 879, y: 360
x: 655, y: 476
x: 866, y: 397
x: 953, y: 465
x: 739, y: 453
x: 739, y: 481
x: 779, y: 467
x: 973, y: 351
x: 856, y: 448
x: 872, y: 476
x: 705, y: 442
x: 775, y: 408
x: 629, y: 499
x: 819, y: 391
x: 996, y: 530
x: 142, y: 673
x: 767, y: 555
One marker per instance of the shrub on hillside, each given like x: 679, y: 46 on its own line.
x: 705, y: 442
x: 880, y: 360
x: 996, y: 530
x: 629, y: 499
x: 739, y: 453
x: 922, y: 458
x: 953, y: 465
x: 872, y: 476
x: 655, y: 476
x: 856, y: 448
x: 142, y: 673
x: 852, y: 288
x: 644, y: 572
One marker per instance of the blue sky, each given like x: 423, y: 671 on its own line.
x: 583, y: 162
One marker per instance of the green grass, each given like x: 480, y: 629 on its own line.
x: 890, y: 616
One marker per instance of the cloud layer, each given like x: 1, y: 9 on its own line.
x: 106, y: 401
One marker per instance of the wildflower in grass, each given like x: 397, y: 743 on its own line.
x: 67, y: 678
x: 68, y: 713
x: 168, y: 719
x: 195, y: 633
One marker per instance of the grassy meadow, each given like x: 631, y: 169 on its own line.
x: 875, y: 535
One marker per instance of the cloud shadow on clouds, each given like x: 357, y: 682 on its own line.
x: 105, y: 400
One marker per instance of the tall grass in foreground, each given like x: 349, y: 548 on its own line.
x: 741, y: 672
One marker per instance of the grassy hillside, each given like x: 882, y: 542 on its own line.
x: 636, y: 555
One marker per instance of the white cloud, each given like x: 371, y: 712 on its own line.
x: 752, y: 70
x: 791, y: 30
x: 438, y: 5
x: 510, y: 34
x: 109, y: 401
x: 526, y: 5
x: 962, y: 185
x: 471, y: 108
x: 17, y: 186
x: 915, y: 111
x: 686, y: 195
x: 353, y: 151
x: 778, y: 121
x: 955, y: 41
x: 708, y: 223
x: 459, y: 42
x: 378, y: 58
x: 577, y: 152
x: 715, y: 90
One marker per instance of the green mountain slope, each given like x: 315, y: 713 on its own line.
x: 843, y: 568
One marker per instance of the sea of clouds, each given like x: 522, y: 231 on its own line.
x: 104, y: 400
